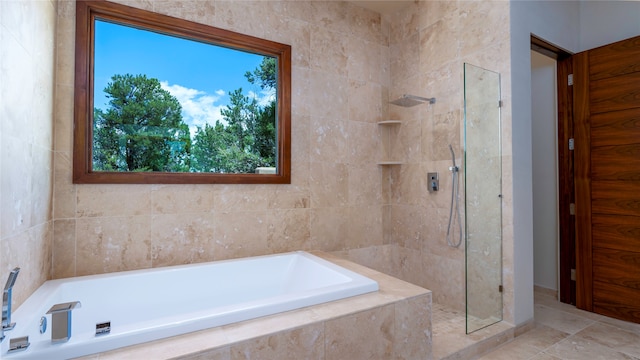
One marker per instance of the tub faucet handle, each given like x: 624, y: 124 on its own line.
x: 61, y: 321
x: 6, y: 300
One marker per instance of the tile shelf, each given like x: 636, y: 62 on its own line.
x: 386, y: 124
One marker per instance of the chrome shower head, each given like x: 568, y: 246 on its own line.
x: 411, y: 100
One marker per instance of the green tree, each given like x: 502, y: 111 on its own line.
x: 216, y: 149
x: 265, y: 127
x: 141, y: 130
x: 265, y: 74
x: 246, y: 138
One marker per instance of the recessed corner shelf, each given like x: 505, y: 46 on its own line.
x: 390, y: 122
x: 386, y: 132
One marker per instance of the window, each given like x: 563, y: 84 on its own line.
x: 165, y: 100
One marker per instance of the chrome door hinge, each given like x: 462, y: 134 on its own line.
x: 571, y: 144
x: 572, y: 209
x: 499, y: 103
x: 573, y: 274
x: 570, y: 80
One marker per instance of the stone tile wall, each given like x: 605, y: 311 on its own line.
x: 27, y: 72
x: 429, y: 43
x: 340, y: 79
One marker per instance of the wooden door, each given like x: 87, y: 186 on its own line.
x: 607, y: 179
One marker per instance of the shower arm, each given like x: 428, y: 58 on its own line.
x: 420, y: 98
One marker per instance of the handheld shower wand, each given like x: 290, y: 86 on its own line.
x: 454, y: 196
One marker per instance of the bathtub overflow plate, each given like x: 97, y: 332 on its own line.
x: 103, y: 328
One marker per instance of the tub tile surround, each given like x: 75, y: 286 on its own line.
x: 393, y: 323
x: 340, y: 57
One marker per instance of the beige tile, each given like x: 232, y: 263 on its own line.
x: 560, y: 320
x: 529, y: 344
x: 64, y: 249
x: 64, y: 205
x: 329, y: 184
x: 328, y: 51
x: 365, y: 226
x: 514, y: 350
x: 308, y: 340
x: 545, y: 356
x: 407, y: 224
x: 217, y: 354
x: 242, y: 17
x: 327, y: 88
x: 181, y: 238
x: 291, y: 31
x: 366, y: 64
x: 577, y: 348
x: 329, y: 140
x: 239, y: 234
x: 288, y: 230
x: 341, y: 342
x: 173, y: 199
x: 240, y: 198
x: 412, y: 333
x: 615, y: 338
x: 368, y: 24
x: 113, y: 200
x: 289, y: 198
x: 328, y: 228
x: 363, y: 145
x: 108, y: 244
x: 541, y: 337
x: 365, y: 102
x: 365, y: 183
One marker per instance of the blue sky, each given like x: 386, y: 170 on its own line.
x: 199, y: 75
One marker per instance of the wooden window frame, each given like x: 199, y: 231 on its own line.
x: 86, y: 14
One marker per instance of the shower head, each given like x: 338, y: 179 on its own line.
x: 411, y: 100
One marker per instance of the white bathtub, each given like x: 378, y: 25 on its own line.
x: 145, y: 305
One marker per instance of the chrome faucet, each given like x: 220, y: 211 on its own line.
x: 61, y: 321
x: 6, y: 303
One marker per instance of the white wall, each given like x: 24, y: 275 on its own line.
x: 604, y: 22
x: 556, y: 22
x: 545, y: 174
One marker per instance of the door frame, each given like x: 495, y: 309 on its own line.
x: 566, y: 194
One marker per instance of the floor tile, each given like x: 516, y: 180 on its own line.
x: 563, y: 332
x: 612, y: 337
x: 577, y: 348
x: 560, y: 320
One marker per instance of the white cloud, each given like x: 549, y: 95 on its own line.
x: 198, y: 107
x: 264, y: 97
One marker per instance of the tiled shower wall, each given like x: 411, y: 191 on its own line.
x: 27, y: 50
x: 429, y: 42
x: 340, y: 81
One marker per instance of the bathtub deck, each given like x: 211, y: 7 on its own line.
x: 394, y: 322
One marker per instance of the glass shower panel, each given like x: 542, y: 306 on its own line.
x: 483, y: 197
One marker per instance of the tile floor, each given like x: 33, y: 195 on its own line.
x: 564, y: 332
x: 450, y: 341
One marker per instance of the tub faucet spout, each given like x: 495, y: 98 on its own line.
x: 61, y: 321
x: 6, y: 303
